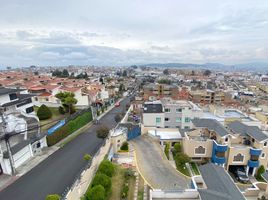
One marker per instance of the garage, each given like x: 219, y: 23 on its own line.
x: 239, y: 173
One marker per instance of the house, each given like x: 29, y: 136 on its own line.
x: 20, y: 123
x: 157, y: 91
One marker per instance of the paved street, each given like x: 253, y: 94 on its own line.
x: 59, y: 170
x: 154, y: 166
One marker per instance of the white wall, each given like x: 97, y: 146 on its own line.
x: 149, y: 119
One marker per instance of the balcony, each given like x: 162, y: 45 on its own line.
x: 255, y: 152
x: 253, y: 163
x: 218, y: 160
x: 219, y: 147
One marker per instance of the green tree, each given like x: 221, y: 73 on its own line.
x: 67, y: 99
x: 96, y: 193
x: 102, y: 132
x: 53, y: 197
x: 207, y: 72
x: 181, y: 159
x: 44, y: 112
x: 177, y: 148
x: 65, y: 73
x: 104, y: 180
x: 166, y: 72
x: 106, y: 167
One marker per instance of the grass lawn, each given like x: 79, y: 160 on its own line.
x: 195, y: 168
x: 131, y: 188
x: 47, y: 123
x: 183, y: 169
x: 140, y: 188
x: 117, y: 183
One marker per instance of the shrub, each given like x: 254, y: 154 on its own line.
x: 43, y: 112
x: 69, y: 128
x: 181, y: 159
x: 124, y: 192
x: 176, y: 148
x: 104, y: 180
x: 61, y: 110
x: 260, y: 171
x: 96, y: 193
x: 167, y: 150
x: 53, y: 197
x: 102, y: 132
x: 128, y: 173
x: 124, y: 146
x: 106, y: 167
x: 87, y: 157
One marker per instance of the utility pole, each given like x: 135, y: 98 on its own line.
x: 6, y: 137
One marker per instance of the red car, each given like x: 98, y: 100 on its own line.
x: 117, y: 104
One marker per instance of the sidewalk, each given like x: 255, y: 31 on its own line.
x: 6, y: 180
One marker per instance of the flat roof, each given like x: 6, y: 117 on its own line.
x: 166, y: 135
x: 8, y: 90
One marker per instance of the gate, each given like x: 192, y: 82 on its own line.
x: 134, y: 132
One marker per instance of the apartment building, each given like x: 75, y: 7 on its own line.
x: 169, y: 113
x: 207, y: 97
x: 235, y: 144
x: 154, y: 92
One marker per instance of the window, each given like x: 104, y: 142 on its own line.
x: 178, y: 110
x: 13, y: 96
x: 30, y: 109
x: 46, y: 99
x: 118, y: 140
x: 24, y: 102
x: 239, y: 158
x: 187, y: 119
x: 226, y: 139
x: 178, y: 119
x: 265, y: 144
x: 186, y: 127
x: 263, y: 155
x: 167, y: 110
x: 166, y: 119
x: 200, y: 150
x: 35, y: 98
x: 166, y: 126
x: 158, y: 120
x: 178, y: 127
x: 253, y: 140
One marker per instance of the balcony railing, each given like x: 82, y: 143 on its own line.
x: 255, y: 152
x: 252, y: 163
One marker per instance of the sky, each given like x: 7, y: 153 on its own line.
x: 126, y: 32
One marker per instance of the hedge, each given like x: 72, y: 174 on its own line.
x: 69, y: 128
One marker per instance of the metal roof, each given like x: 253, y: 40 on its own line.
x: 252, y: 131
x: 152, y: 108
x: 212, y: 125
x: 219, y: 184
x: 8, y: 90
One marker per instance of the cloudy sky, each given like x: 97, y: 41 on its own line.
x: 124, y: 32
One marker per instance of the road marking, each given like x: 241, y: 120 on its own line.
x: 135, y: 158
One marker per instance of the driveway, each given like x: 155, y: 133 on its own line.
x: 56, y: 173
x: 154, y: 166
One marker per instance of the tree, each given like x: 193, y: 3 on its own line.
x: 65, y: 73
x: 102, y: 132
x: 124, y: 146
x: 106, y: 167
x: 181, y: 159
x: 61, y: 110
x: 44, y: 112
x: 121, y: 87
x: 96, y: 193
x: 166, y: 72
x: 207, y: 72
x: 125, y: 73
x: 177, y: 148
x: 104, y: 180
x: 53, y: 197
x: 118, y: 117
x: 68, y: 100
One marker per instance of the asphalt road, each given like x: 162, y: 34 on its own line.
x: 154, y: 166
x: 59, y: 170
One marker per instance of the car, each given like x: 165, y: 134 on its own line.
x: 117, y: 104
x: 241, y: 175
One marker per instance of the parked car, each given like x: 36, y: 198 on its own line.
x: 240, y: 175
x: 117, y: 104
